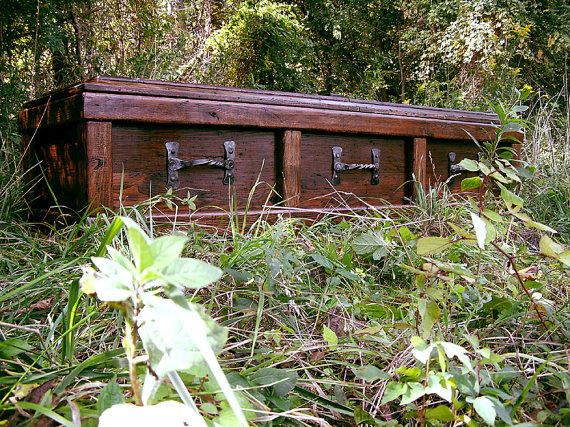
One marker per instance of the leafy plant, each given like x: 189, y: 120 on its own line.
x: 472, y: 388
x: 147, y: 286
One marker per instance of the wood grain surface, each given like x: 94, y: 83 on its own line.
x: 140, y: 159
x: 355, y: 189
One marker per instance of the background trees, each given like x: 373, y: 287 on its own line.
x: 440, y: 52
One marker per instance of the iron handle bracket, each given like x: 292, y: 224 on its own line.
x: 455, y: 169
x: 338, y: 166
x: 174, y: 164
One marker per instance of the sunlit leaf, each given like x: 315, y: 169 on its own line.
x: 480, y: 230
x: 393, y: 391
x: 432, y: 245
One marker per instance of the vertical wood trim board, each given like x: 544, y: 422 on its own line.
x: 292, y: 167
x: 419, y: 163
x: 97, y: 137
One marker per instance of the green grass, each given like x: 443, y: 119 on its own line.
x: 302, y: 297
x: 284, y: 283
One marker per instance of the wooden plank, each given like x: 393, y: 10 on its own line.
x: 291, y: 167
x: 355, y: 189
x: 180, y: 111
x: 419, y: 163
x: 52, y: 113
x: 140, y: 163
x: 261, y: 97
x: 97, y: 138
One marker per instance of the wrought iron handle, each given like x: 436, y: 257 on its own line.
x: 339, y: 166
x: 455, y: 169
x: 174, y: 164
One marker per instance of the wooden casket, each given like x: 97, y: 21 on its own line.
x: 112, y: 142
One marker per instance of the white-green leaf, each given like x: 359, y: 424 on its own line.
x: 139, y: 244
x: 393, y: 391
x: 167, y: 339
x: 470, y: 165
x: 189, y: 273
x: 480, y: 230
x: 438, y: 384
x: 367, y: 243
x: 414, y: 392
x: 431, y: 245
x: 164, y: 249
x: 167, y: 413
x: 485, y: 409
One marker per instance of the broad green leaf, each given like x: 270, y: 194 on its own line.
x: 550, y: 248
x: 480, y: 227
x: 109, y: 396
x: 441, y: 413
x: 493, y: 216
x: 432, y: 245
x: 439, y: 384
x: 485, y: 409
x: 330, y: 337
x: 380, y: 253
x: 414, y: 392
x: 139, y: 245
x: 282, y: 380
x: 323, y: 261
x: 164, y: 249
x: 12, y: 347
x: 188, y: 273
x: 367, y: 243
x: 413, y: 373
x: 122, y: 260
x: 453, y: 350
x: 430, y: 312
x: 510, y: 198
x: 470, y: 165
x: 363, y: 417
x: 498, y: 176
x: 370, y: 373
x: 113, y: 283
x: 564, y: 257
x: 393, y: 391
x: 461, y: 232
x: 167, y: 339
x: 471, y: 183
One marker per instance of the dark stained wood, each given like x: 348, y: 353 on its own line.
x: 58, y: 155
x: 140, y: 159
x: 419, y: 159
x: 145, y: 109
x: 52, y: 113
x: 97, y: 137
x: 292, y: 167
x: 438, y: 161
x: 355, y: 189
x: 126, y: 87
x: 103, y: 142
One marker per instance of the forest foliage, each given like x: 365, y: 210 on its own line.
x: 453, y: 311
x: 443, y: 52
